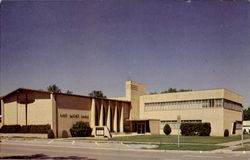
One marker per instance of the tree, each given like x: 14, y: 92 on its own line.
x: 97, y: 94
x: 246, y: 114
x: 53, y: 88
x: 170, y: 90
x: 173, y: 90
x: 153, y: 93
x: 184, y: 90
x: 69, y: 92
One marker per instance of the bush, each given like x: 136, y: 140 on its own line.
x: 205, y: 129
x: 126, y: 128
x: 64, y: 134
x: 51, y: 134
x: 195, y: 129
x: 80, y: 129
x: 244, y: 131
x: 167, y: 129
x: 25, y: 129
x: 39, y: 128
x: 10, y: 128
x: 226, y: 133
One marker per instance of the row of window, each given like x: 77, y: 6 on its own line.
x: 232, y: 106
x: 174, y: 125
x: 194, y: 104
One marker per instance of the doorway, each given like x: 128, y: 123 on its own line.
x: 141, y: 127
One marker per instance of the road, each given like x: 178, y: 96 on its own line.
x: 62, y: 151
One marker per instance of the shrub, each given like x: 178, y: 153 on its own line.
x: 193, y: 129
x: 64, y: 134
x: 39, y: 128
x: 205, y: 129
x: 226, y: 133
x: 244, y: 131
x: 126, y: 128
x: 10, y: 128
x: 51, y: 134
x: 80, y: 129
x: 24, y: 129
x: 167, y: 129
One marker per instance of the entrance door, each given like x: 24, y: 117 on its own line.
x: 141, y: 127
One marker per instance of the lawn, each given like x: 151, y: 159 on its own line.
x: 188, y: 147
x: 183, y: 139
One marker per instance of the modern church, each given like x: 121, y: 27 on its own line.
x: 136, y: 113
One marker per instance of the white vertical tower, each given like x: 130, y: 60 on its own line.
x: 93, y: 113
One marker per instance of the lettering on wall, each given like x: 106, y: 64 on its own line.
x: 74, y: 116
x: 85, y: 116
x: 65, y: 115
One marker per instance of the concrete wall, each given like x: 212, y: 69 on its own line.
x: 184, y: 96
x: 232, y: 96
x: 133, y: 92
x: 154, y: 126
x: 212, y: 115
x: 10, y: 113
x: 218, y: 117
x: 73, y: 116
x: 38, y: 111
x: 230, y: 117
x: 72, y: 109
x: 21, y: 114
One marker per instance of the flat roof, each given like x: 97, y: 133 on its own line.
x: 195, y: 91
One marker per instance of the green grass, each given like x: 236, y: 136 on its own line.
x: 183, y: 139
x: 245, y: 148
x: 189, y: 147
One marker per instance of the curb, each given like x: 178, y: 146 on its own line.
x: 143, y: 150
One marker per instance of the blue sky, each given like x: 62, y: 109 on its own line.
x: 86, y: 45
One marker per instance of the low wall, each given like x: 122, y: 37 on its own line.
x: 26, y: 135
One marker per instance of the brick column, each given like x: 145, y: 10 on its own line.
x: 121, y: 120
x: 101, y: 116
x: 92, y: 124
x: 108, y: 117
x: 2, y: 111
x: 115, y: 119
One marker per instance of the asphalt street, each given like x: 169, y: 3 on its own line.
x: 57, y: 149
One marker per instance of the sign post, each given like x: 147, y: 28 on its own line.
x: 178, y: 123
x: 242, y: 130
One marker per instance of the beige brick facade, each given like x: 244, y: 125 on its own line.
x: 137, y: 112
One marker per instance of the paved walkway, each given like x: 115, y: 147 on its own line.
x: 232, y: 145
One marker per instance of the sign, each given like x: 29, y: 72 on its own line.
x: 178, y: 119
x: 100, y: 131
x: 65, y: 115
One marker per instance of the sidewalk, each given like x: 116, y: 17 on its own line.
x: 104, y: 144
x: 232, y: 145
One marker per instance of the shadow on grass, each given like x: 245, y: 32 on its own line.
x: 43, y: 156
